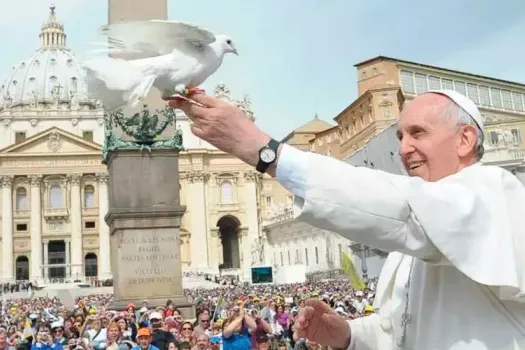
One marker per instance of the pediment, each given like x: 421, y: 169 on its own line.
x: 53, y: 141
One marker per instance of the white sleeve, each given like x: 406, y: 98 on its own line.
x: 367, y: 334
x: 360, y: 204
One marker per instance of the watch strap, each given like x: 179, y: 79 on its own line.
x: 262, y: 166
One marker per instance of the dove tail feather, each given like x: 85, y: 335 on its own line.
x: 115, y: 82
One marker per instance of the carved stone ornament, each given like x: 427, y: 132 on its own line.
x: 102, y: 177
x: 54, y: 141
x: 197, y: 176
x: 7, y: 181
x: 6, y: 121
x: 252, y: 176
x: 21, y: 244
x: 74, y: 179
x: 35, y: 180
x: 33, y: 122
x: 74, y: 121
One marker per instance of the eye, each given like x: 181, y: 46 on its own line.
x: 229, y: 42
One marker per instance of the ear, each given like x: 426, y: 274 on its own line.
x: 467, y: 141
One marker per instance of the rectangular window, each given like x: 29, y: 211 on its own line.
x: 20, y: 136
x: 495, y: 95
x: 421, y: 83
x: 289, y: 259
x: 268, y: 201
x: 316, y: 255
x: 21, y: 227
x: 407, y: 82
x: 472, y: 91
x: 434, y: 83
x: 516, y: 136
x: 297, y: 259
x: 282, y: 259
x: 447, y: 84
x: 460, y: 87
x: 494, y: 138
x: 484, y: 96
x: 306, y: 255
x: 506, y: 98
x: 89, y: 224
x: 518, y: 102
x: 87, y: 135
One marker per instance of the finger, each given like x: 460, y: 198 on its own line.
x: 205, y: 100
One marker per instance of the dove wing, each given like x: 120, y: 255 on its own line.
x: 154, y: 37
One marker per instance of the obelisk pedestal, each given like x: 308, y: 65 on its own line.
x: 144, y: 219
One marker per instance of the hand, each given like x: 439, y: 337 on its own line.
x: 224, y: 126
x: 319, y: 323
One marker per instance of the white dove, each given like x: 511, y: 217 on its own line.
x: 175, y: 57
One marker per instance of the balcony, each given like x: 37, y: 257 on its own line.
x: 502, y: 156
x: 56, y: 213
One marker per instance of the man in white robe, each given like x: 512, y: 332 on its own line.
x: 455, y: 277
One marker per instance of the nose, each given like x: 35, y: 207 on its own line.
x: 406, y: 147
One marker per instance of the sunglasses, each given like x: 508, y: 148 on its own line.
x: 187, y: 329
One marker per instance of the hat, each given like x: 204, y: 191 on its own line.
x: 155, y: 316
x: 143, y: 309
x: 56, y: 325
x: 464, y: 103
x: 144, y: 332
x: 369, y: 308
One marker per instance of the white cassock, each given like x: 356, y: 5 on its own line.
x: 457, y: 266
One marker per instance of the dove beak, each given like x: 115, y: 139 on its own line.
x: 234, y: 50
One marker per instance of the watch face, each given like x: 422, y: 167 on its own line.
x: 268, y: 155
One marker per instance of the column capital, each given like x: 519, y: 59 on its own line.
x: 74, y: 179
x: 7, y: 181
x: 35, y: 179
x: 102, y: 177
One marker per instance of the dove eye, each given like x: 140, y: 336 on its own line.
x: 229, y: 42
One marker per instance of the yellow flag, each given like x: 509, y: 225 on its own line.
x: 348, y: 268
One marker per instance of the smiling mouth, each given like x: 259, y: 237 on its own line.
x: 415, y: 165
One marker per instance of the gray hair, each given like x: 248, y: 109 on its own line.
x: 461, y: 117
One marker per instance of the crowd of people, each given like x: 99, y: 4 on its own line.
x: 229, y: 317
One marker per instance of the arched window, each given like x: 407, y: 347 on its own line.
x: 56, y: 200
x: 89, y: 196
x: 21, y: 198
x: 91, y: 265
x: 226, y: 192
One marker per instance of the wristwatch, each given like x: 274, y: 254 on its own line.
x: 267, y: 155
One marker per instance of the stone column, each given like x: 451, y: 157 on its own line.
x: 104, y: 256
x: 69, y: 269
x: 7, y: 228
x: 46, y: 259
x: 76, y: 225
x: 36, y: 228
x: 250, y: 239
x: 197, y: 209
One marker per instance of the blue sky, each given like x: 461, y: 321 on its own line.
x: 297, y: 56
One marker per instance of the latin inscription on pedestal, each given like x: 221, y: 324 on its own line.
x: 149, y: 263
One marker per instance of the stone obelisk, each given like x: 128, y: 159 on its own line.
x: 144, y: 205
